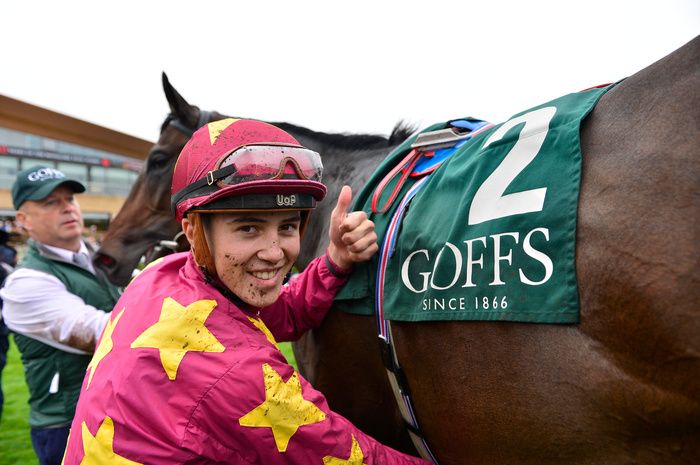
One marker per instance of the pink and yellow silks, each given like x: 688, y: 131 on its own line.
x: 183, y: 375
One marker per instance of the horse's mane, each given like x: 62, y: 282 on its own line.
x: 353, y: 141
x: 401, y: 132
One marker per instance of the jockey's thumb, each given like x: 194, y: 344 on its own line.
x: 341, y: 208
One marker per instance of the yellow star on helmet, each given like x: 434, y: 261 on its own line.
x: 217, y: 127
x: 180, y: 330
x: 356, y: 456
x: 99, y: 449
x: 105, y: 347
x: 284, y: 409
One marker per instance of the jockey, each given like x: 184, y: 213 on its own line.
x: 188, y: 369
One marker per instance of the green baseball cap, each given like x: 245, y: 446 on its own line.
x: 38, y: 182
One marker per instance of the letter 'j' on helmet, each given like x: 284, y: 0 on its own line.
x: 238, y: 164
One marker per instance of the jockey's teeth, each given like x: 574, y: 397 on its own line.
x: 264, y: 274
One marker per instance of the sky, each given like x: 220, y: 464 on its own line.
x: 354, y: 67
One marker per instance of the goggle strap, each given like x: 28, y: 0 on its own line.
x: 208, y: 180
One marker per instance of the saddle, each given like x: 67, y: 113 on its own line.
x: 427, y: 153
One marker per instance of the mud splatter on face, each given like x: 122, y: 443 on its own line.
x: 253, y: 252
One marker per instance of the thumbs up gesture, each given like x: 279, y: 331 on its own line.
x: 352, y: 234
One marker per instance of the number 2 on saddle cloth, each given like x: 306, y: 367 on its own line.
x: 427, y: 153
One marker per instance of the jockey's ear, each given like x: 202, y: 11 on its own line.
x: 188, y: 229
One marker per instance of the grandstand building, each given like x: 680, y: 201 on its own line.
x: 106, y: 161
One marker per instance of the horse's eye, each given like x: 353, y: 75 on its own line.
x: 158, y: 161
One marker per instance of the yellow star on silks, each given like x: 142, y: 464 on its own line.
x: 284, y: 409
x: 105, y: 347
x: 178, y: 331
x: 258, y: 323
x: 356, y: 456
x: 99, y: 449
x: 217, y: 127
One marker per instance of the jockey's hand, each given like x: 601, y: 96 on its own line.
x: 352, y: 234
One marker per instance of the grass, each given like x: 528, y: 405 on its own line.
x: 286, y: 348
x: 15, y: 443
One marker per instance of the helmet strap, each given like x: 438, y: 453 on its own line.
x: 225, y: 291
x: 200, y: 246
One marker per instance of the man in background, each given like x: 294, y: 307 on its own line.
x: 54, y: 303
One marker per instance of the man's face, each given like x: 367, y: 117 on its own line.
x: 254, y: 251
x: 54, y: 220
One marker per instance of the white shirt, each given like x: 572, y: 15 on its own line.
x: 38, y: 305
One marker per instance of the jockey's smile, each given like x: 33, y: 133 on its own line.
x: 254, y: 251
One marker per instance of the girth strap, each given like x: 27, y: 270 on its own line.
x: 397, y: 379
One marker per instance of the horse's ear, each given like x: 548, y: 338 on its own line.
x: 178, y: 105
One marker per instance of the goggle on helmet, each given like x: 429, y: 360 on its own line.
x: 245, y: 165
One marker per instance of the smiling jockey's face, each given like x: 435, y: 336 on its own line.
x: 253, y: 252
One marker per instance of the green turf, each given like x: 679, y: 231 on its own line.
x: 15, y: 443
x: 286, y: 348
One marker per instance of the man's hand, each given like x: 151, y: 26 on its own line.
x: 352, y: 234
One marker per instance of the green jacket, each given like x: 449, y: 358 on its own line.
x: 42, y: 362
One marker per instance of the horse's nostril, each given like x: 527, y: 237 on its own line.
x: 105, y: 260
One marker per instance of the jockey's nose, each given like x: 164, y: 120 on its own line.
x: 273, y: 253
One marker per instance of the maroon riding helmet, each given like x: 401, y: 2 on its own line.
x: 237, y: 164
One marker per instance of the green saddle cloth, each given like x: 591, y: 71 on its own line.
x: 491, y: 235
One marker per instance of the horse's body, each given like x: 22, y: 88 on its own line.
x: 623, y: 386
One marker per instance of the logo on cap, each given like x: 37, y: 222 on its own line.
x: 286, y: 200
x: 44, y: 174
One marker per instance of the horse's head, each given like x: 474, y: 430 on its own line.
x: 145, y: 226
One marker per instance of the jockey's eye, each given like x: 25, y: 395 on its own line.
x: 158, y: 160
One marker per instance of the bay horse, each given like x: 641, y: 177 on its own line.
x: 623, y: 385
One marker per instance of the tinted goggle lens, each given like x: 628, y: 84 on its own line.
x: 258, y: 162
